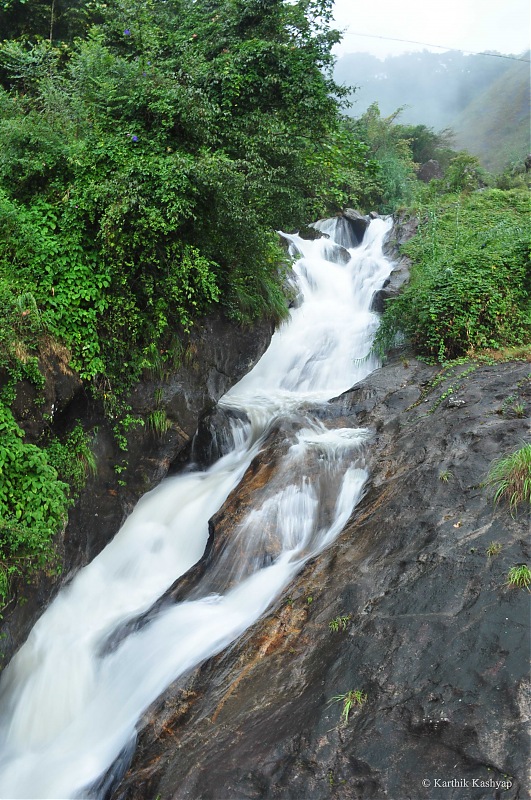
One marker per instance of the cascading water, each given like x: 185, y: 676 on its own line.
x: 72, y: 697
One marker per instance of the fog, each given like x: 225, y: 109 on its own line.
x: 433, y: 88
x: 467, y: 25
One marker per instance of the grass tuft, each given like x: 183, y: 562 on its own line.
x: 355, y: 697
x: 511, y: 475
x: 519, y: 577
x: 158, y: 422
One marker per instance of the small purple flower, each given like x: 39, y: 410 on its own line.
x: 127, y: 32
x: 134, y: 138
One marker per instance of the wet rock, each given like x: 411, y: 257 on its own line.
x: 214, y: 438
x: 404, y: 228
x: 358, y: 222
x: 434, y: 636
x: 336, y: 253
x: 220, y: 352
x: 309, y: 232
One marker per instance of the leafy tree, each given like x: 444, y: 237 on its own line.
x: 392, y: 152
x: 426, y: 144
x: 54, y: 20
x: 464, y: 173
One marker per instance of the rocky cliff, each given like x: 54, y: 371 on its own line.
x: 219, y: 353
x: 399, y: 655
x: 407, y: 618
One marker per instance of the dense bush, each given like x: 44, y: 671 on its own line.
x: 145, y: 165
x: 148, y: 152
x: 33, y: 503
x: 470, y: 285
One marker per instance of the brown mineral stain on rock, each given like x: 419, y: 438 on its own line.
x: 435, y: 640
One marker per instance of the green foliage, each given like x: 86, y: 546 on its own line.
x: 60, y: 20
x: 511, y: 475
x: 426, y: 144
x: 73, y: 459
x: 445, y: 476
x: 353, y: 698
x: 158, y: 422
x: 33, y: 503
x: 514, y: 176
x: 493, y: 549
x: 389, y: 149
x: 470, y: 281
x: 145, y: 165
x: 519, y: 577
x: 464, y: 173
x: 339, y: 623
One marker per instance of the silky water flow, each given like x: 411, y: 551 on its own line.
x: 72, y: 697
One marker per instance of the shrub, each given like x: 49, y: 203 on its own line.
x: 470, y: 282
x: 33, y: 503
x: 511, y: 477
x: 339, y: 623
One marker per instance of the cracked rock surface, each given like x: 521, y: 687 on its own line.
x: 433, y: 635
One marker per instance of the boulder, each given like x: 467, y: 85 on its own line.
x: 429, y: 170
x: 404, y: 228
x: 358, y: 224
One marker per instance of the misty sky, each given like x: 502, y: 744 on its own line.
x: 501, y: 25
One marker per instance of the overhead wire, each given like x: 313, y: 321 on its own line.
x: 439, y: 46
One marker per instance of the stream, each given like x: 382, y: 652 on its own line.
x: 72, y: 697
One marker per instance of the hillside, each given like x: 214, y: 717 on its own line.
x: 495, y: 125
x: 485, y: 100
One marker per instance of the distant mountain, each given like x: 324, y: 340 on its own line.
x: 485, y: 99
x: 495, y: 124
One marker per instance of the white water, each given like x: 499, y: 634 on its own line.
x: 69, y: 702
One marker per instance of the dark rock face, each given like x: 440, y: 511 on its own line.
x: 430, y: 170
x: 355, y: 227
x: 434, y: 636
x: 219, y: 354
x: 213, y: 438
x: 61, y: 386
x: 404, y: 228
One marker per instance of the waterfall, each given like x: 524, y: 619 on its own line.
x: 72, y: 697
